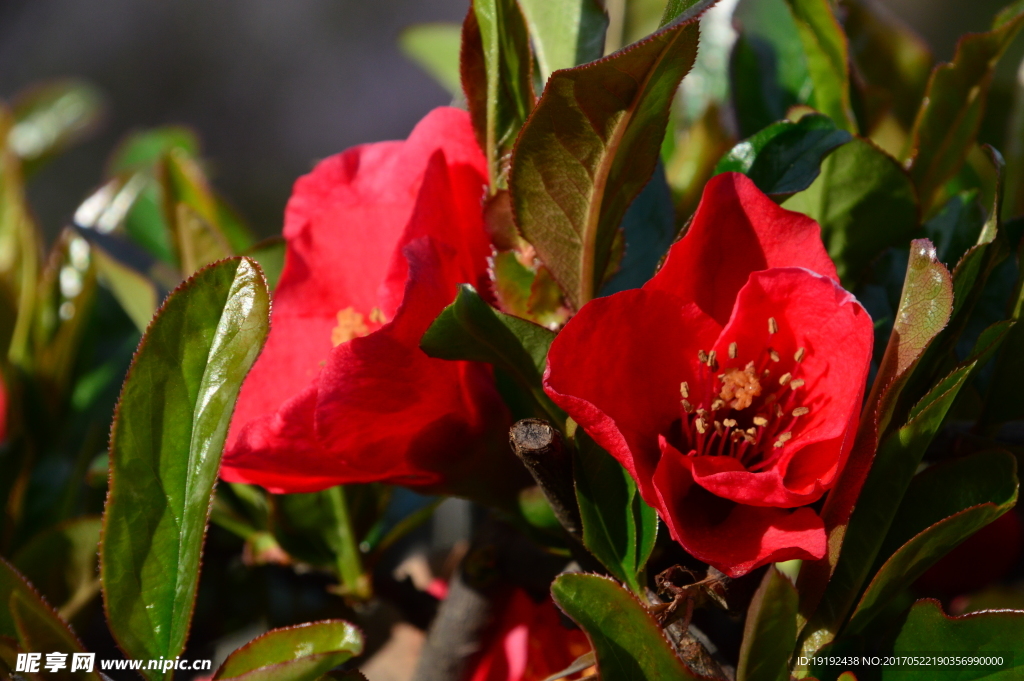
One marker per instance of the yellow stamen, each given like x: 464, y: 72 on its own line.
x: 740, y: 387
x: 350, y: 325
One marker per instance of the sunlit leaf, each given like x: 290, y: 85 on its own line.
x: 165, y: 449
x: 299, y: 653
x: 948, y: 122
x: 51, y: 117
x: 589, y: 148
x: 565, y: 33
x: 827, y: 59
x: 628, y: 643
x: 435, y: 47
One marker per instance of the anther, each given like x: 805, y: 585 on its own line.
x: 783, y: 439
x: 733, y: 349
x: 773, y: 326
x: 702, y: 356
x: 784, y: 378
x: 760, y: 421
x: 750, y: 438
x: 736, y: 435
x: 751, y: 431
x: 718, y: 427
x: 702, y: 413
x: 712, y: 361
x: 687, y: 407
x: 684, y: 389
x: 701, y: 425
x: 796, y: 384
x: 800, y: 354
x: 774, y: 355
x: 717, y: 404
x: 730, y: 423
x: 800, y: 411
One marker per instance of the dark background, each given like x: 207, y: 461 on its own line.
x: 271, y: 86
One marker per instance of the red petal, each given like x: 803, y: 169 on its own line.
x: 732, y: 537
x: 737, y: 230
x: 616, y: 368
x: 381, y: 409
x: 814, y: 313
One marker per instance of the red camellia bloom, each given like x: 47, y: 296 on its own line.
x: 530, y: 643
x: 729, y: 385
x: 378, y: 238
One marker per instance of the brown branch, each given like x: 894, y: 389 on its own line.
x: 539, y: 446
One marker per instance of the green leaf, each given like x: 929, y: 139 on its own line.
x: 891, y: 472
x: 864, y: 202
x: 589, y: 148
x: 956, y: 226
x: 827, y: 58
x: 143, y: 150
x: 929, y: 629
x: 300, y: 653
x: 770, y: 630
x: 137, y: 294
x: 52, y: 117
x: 26, y: 616
x: 768, y: 69
x: 470, y: 329
x: 39, y: 629
x: 785, y: 157
x: 943, y: 506
x: 193, y: 213
x: 165, y: 447
x: 62, y: 563
x: 950, y: 115
x: 618, y: 527
x: 628, y: 643
x: 497, y: 75
x: 435, y: 47
x: 565, y: 33
x: 889, y: 56
x: 649, y: 228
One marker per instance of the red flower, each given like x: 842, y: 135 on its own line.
x: 530, y: 643
x: 729, y: 385
x: 377, y: 238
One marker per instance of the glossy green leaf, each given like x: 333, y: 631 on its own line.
x: 827, y: 59
x: 628, y: 643
x: 785, y: 157
x: 891, y: 472
x: 300, y: 653
x: 618, y: 527
x: 928, y: 629
x: 62, y: 563
x: 589, y: 148
x: 565, y: 33
x: 192, y: 213
x: 470, y: 329
x: 52, y: 117
x: 769, y: 632
x: 943, y: 506
x: 435, y: 47
x: 768, y: 69
x: 950, y: 116
x: 165, y: 448
x: 889, y: 56
x: 497, y: 76
x: 864, y: 201
x: 924, y: 309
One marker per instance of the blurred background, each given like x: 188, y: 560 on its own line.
x: 270, y: 86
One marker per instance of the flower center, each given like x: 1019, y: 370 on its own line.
x: 351, y: 325
x: 747, y: 410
